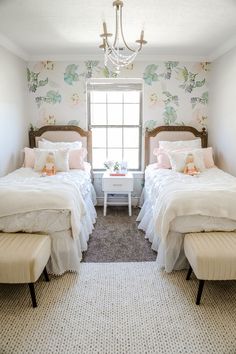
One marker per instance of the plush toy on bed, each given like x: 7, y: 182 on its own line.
x: 49, y: 168
x: 190, y: 167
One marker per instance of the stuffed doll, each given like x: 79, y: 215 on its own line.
x: 49, y: 168
x: 190, y: 167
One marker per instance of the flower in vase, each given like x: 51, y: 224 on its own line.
x: 116, y: 167
x: 108, y: 164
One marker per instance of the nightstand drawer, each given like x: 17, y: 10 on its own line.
x: 116, y: 184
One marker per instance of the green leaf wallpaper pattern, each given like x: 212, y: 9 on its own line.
x: 169, y: 115
x: 189, y: 79
x: 169, y: 65
x: 203, y: 99
x: 73, y: 122
x: 170, y: 98
x: 107, y: 73
x: 70, y: 74
x: 52, y: 97
x: 174, y: 92
x: 90, y: 65
x: 150, y: 124
x: 33, y: 81
x: 182, y: 74
x: 150, y: 74
x: 200, y: 83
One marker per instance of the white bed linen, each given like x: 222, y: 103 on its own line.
x: 66, y: 250
x: 174, y: 204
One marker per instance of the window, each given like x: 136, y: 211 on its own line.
x: 115, y: 118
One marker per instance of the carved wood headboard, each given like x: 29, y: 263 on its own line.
x: 66, y: 133
x: 171, y: 133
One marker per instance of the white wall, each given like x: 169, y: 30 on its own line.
x: 14, y: 122
x: 222, y: 118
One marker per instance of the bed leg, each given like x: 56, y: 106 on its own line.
x: 45, y: 273
x: 189, y: 273
x: 199, y: 294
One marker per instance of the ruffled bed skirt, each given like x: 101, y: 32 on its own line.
x: 66, y: 251
x: 170, y: 254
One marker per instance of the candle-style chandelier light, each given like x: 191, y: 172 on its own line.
x: 119, y: 53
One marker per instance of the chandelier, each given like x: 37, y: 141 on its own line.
x: 119, y: 53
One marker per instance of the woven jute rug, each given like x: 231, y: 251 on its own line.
x: 119, y: 308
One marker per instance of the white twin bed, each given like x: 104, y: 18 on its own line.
x: 61, y: 205
x: 175, y: 204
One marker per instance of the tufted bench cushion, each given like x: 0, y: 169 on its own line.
x: 212, y: 256
x: 23, y: 258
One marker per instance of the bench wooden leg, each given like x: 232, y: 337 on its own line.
x: 189, y: 273
x: 32, y: 293
x: 45, y: 273
x: 199, y: 294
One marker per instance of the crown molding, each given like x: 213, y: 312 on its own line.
x: 168, y: 57
x: 66, y: 57
x: 18, y: 51
x: 223, y: 49
x: 13, y: 48
x: 140, y: 57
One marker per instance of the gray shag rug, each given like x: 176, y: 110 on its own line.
x: 118, y: 308
x: 116, y: 238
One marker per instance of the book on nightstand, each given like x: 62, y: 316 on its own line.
x: 117, y: 174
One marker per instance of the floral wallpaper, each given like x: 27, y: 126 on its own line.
x: 175, y: 93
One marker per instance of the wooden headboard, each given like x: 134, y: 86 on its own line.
x: 170, y: 133
x: 62, y: 133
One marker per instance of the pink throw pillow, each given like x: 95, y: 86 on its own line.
x: 29, y: 157
x: 208, y: 157
x: 163, y: 160
x: 76, y: 158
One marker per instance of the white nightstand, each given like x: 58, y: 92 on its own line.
x: 117, y: 185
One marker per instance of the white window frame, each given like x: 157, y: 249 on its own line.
x: 116, y: 85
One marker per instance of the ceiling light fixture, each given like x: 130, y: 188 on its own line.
x: 120, y: 54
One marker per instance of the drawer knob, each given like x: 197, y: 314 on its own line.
x: 117, y: 184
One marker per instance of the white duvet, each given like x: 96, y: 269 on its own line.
x: 27, y: 191
x: 210, y: 197
x: 60, y: 205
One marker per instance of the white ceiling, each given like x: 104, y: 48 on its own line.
x: 173, y: 28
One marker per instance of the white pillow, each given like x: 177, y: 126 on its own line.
x: 180, y: 144
x: 178, y: 159
x: 61, y: 159
x: 45, y: 144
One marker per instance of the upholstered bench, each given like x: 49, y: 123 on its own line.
x: 23, y: 258
x: 212, y: 256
